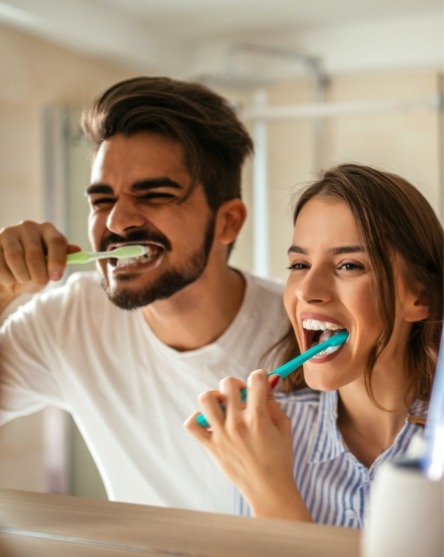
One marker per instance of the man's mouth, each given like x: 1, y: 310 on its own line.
x: 316, y: 331
x: 153, y: 252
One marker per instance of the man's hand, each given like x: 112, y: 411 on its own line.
x: 31, y: 254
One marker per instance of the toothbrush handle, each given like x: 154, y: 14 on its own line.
x: 289, y: 367
x: 283, y: 371
x: 79, y: 257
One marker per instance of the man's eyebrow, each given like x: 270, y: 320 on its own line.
x: 98, y: 188
x: 136, y: 187
x: 334, y: 251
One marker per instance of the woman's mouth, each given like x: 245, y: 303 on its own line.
x: 316, y: 331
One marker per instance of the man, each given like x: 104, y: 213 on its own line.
x: 166, y: 175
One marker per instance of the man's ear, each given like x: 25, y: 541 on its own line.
x: 230, y: 218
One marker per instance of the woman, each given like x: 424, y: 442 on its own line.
x: 367, y: 257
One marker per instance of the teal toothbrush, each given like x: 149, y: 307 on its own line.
x: 292, y: 365
x: 119, y: 253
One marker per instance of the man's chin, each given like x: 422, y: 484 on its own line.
x: 125, y: 299
x: 128, y: 298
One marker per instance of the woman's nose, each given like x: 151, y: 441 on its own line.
x: 124, y: 216
x: 314, y: 287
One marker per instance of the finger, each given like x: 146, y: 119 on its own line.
x: 14, y: 256
x: 231, y: 388
x: 26, y: 248
x: 213, y: 406
x: 202, y: 434
x: 258, y: 390
x: 56, y: 250
x: 6, y: 277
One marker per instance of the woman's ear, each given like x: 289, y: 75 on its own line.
x: 230, y: 218
x: 417, y: 307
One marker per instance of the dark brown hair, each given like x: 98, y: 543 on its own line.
x: 215, y: 142
x: 394, y: 220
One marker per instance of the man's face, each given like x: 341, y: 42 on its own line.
x: 139, y: 195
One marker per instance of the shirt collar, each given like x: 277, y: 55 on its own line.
x: 328, y: 442
x: 327, y: 439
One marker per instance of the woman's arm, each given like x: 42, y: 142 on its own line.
x: 253, y: 445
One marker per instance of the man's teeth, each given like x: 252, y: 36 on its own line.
x: 126, y: 261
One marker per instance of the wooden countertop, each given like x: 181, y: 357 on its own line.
x: 43, y: 525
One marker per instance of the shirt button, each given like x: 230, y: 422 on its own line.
x: 350, y: 514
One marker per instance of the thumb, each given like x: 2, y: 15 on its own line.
x: 277, y: 415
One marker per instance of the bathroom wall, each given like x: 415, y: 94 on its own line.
x: 36, y: 74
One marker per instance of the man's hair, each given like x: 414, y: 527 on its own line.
x: 214, y: 140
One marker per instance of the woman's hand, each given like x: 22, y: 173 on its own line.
x: 253, y: 445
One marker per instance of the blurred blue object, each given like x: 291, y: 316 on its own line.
x: 432, y: 462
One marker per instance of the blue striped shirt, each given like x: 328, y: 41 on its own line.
x: 333, y: 483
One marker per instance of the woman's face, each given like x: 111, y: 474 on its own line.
x: 331, y: 287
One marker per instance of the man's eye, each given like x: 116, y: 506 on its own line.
x: 158, y: 197
x: 101, y: 201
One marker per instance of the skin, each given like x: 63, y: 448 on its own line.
x: 330, y: 279
x: 138, y: 186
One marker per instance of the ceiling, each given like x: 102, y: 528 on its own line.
x: 190, y: 37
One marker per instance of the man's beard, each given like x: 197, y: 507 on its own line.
x: 170, y: 282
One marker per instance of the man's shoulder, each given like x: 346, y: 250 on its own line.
x: 78, y: 286
x: 273, y: 287
x: 85, y: 278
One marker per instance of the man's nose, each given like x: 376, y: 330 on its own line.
x: 124, y: 215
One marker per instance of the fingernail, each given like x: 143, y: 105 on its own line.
x: 274, y: 381
x: 55, y: 275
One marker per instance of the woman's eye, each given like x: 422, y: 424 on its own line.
x: 350, y: 266
x: 297, y: 266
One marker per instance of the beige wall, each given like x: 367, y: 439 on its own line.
x: 405, y: 140
x: 36, y: 74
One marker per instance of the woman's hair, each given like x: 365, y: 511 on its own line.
x: 214, y: 140
x: 395, y: 221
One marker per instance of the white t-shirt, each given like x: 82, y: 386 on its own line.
x: 128, y: 393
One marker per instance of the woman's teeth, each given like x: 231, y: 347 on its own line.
x: 327, y: 351
x: 319, y: 331
x: 315, y: 325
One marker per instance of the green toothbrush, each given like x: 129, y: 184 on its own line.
x: 284, y: 370
x: 119, y: 253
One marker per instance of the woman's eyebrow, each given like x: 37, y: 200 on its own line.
x: 334, y: 251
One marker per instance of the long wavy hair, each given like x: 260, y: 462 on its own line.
x: 394, y: 220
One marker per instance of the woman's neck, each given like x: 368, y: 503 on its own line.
x: 369, y: 427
